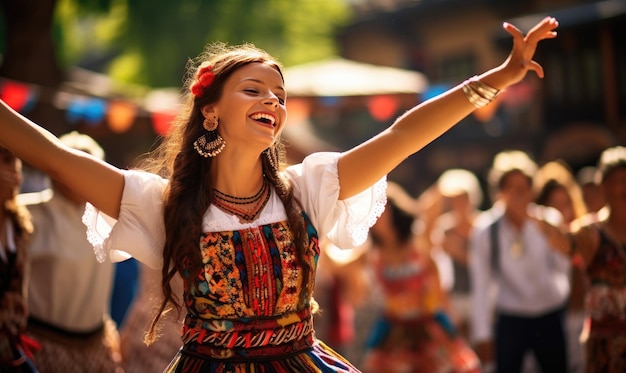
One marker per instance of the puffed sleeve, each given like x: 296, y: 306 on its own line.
x: 346, y: 223
x: 139, y: 231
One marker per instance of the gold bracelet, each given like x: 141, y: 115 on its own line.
x: 484, y: 89
x: 478, y: 93
x: 473, y: 97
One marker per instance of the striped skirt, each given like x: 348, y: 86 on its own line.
x: 318, y: 358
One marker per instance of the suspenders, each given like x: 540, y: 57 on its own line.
x: 495, y: 246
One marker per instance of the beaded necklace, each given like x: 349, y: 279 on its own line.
x: 247, y: 209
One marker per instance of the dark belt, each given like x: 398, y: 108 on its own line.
x: 35, y: 322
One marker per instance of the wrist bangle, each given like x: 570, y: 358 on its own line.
x: 478, y: 93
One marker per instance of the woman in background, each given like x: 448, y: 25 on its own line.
x: 15, y: 231
x: 602, y: 245
x: 413, y: 333
x: 555, y: 186
x: 463, y: 195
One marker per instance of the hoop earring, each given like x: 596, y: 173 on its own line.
x: 209, y: 148
x: 211, y: 143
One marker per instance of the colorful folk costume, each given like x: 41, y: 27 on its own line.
x: 413, y: 334
x: 16, y: 349
x: 605, y: 304
x: 243, y: 312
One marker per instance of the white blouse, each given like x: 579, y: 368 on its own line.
x: 68, y: 288
x: 139, y: 231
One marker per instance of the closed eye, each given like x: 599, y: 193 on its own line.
x: 255, y: 92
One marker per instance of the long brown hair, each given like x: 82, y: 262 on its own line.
x: 187, y: 196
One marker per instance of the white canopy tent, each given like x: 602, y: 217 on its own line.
x: 342, y: 77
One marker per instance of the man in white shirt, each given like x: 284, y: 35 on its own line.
x: 519, y: 280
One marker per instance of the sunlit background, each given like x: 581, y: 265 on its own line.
x: 113, y: 69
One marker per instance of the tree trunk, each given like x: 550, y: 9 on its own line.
x: 30, y: 57
x: 30, y: 52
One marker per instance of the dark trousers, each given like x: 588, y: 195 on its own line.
x: 543, y: 335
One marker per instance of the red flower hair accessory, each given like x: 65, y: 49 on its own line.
x: 204, y: 80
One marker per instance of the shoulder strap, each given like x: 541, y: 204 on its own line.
x: 495, y: 246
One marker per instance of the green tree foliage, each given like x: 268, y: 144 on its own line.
x: 149, y: 41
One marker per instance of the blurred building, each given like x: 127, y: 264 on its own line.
x: 432, y: 45
x: 578, y: 109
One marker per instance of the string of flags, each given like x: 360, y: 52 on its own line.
x: 118, y: 114
x: 161, y: 105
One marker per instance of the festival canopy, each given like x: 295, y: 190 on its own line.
x: 342, y: 77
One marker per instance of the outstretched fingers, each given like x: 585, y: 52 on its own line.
x: 542, y: 30
x: 514, y: 31
x: 536, y: 67
x: 524, y: 46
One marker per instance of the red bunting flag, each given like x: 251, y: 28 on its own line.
x: 383, y: 107
x: 162, y: 121
x: 15, y: 94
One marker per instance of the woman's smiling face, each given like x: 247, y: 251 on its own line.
x: 252, y: 106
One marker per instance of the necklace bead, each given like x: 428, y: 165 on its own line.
x: 237, y: 205
x: 241, y: 200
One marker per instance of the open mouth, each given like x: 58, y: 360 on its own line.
x: 264, y: 118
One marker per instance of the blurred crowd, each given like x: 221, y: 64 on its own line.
x: 533, y: 282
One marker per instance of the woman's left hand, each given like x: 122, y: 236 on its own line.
x: 520, y: 60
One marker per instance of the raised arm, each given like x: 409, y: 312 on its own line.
x: 363, y: 165
x: 96, y: 181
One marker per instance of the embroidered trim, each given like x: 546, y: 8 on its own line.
x: 359, y: 232
x: 229, y: 334
x: 97, y: 241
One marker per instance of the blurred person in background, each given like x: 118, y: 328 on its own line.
x: 15, y: 230
x: 341, y: 286
x: 602, y: 245
x: 451, y: 232
x: 136, y: 355
x: 413, y: 332
x: 588, y: 180
x: 555, y: 186
x: 519, y: 281
x: 69, y: 290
